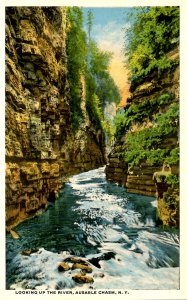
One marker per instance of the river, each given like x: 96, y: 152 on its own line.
x: 98, y: 221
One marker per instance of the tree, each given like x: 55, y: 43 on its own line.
x: 152, y: 120
x: 152, y: 34
x: 77, y: 62
x: 99, y: 83
x: 90, y: 23
x: 87, y: 62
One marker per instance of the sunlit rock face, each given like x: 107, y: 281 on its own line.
x: 139, y: 178
x: 41, y: 149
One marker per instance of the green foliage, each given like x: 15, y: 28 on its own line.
x: 77, y: 60
x: 100, y: 60
x: 99, y: 83
x: 87, y: 62
x: 120, y: 124
x: 158, y: 66
x: 171, y: 199
x: 107, y: 90
x: 146, y: 144
x: 89, y: 22
x: 168, y: 122
x: 94, y: 110
x: 173, y: 158
x: 154, y: 32
x: 109, y: 130
x: 143, y: 146
x: 139, y: 112
x: 173, y: 180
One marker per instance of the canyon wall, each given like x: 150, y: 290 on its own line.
x: 41, y: 148
x: 157, y: 95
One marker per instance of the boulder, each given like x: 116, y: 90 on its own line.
x: 83, y: 267
x: 79, y: 278
x: 78, y: 260
x: 28, y: 252
x: 63, y: 266
x: 104, y: 256
x: 14, y: 234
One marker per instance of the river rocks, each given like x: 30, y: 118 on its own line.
x: 41, y: 148
x: 76, y: 260
x: 28, y: 252
x: 79, y: 278
x: 63, y: 266
x: 103, y: 256
x: 95, y: 261
x: 14, y: 234
x: 78, y: 263
x: 84, y: 268
x: 74, y: 263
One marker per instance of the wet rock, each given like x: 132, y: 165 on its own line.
x: 79, y: 278
x: 76, y: 260
x: 83, y: 267
x: 99, y: 275
x: 108, y: 255
x: 14, y: 234
x: 28, y: 252
x: 63, y: 266
x: 105, y: 256
x: 95, y: 261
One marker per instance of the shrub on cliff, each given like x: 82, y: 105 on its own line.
x: 141, y: 111
x: 148, y: 123
x: 146, y: 144
x: 154, y: 32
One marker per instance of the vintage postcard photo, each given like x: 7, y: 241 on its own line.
x: 92, y: 149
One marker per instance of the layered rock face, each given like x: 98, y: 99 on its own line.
x: 138, y: 178
x: 41, y: 149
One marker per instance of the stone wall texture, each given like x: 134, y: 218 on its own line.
x: 139, y: 179
x: 41, y: 149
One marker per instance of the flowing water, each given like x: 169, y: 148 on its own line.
x: 109, y: 227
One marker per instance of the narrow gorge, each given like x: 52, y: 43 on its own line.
x: 92, y: 162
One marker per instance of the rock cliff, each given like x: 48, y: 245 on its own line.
x: 148, y: 136
x: 41, y: 148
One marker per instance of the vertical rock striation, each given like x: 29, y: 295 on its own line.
x: 41, y: 149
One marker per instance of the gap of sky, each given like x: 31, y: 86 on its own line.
x: 108, y: 31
